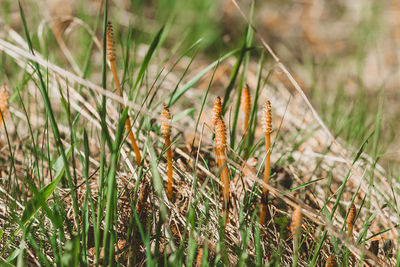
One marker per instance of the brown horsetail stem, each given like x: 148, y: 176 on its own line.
x: 246, y: 106
x: 199, y: 256
x: 3, y: 103
x: 350, y: 219
x: 331, y: 261
x: 111, y: 59
x: 295, y: 227
x: 165, y: 130
x: 267, y: 120
x: 217, y: 109
x: 296, y: 220
x: 220, y: 147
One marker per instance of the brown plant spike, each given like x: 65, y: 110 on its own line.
x: 296, y: 220
x: 220, y: 147
x: 350, y: 219
x: 3, y: 103
x: 246, y: 106
x: 217, y: 109
x: 267, y: 120
x: 111, y: 58
x: 199, y: 256
x: 165, y: 130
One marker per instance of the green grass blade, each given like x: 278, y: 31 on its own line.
x: 37, y: 200
x: 49, y: 110
x: 146, y: 61
x: 196, y: 78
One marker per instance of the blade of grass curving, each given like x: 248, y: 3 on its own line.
x: 90, y: 46
x: 335, y: 205
x: 34, y: 146
x: 37, y: 200
x: 145, y: 239
x: 104, y: 132
x: 111, y: 187
x: 182, y: 76
x: 196, y: 78
x: 181, y: 56
x: 203, y: 102
x: 303, y: 185
x: 235, y: 73
x: 53, y: 122
x: 157, y: 180
x: 145, y: 63
x: 254, y: 108
x: 127, y: 54
x: 87, y: 201
x: 248, y: 41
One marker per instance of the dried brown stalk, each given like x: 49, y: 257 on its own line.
x: 220, y: 147
x: 165, y: 130
x: 3, y: 103
x: 111, y: 59
x: 350, y: 220
x: 246, y: 106
x: 267, y: 132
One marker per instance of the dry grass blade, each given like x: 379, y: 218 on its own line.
x: 165, y: 130
x: 111, y: 59
x: 220, y: 149
x: 246, y: 106
x: 267, y: 121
